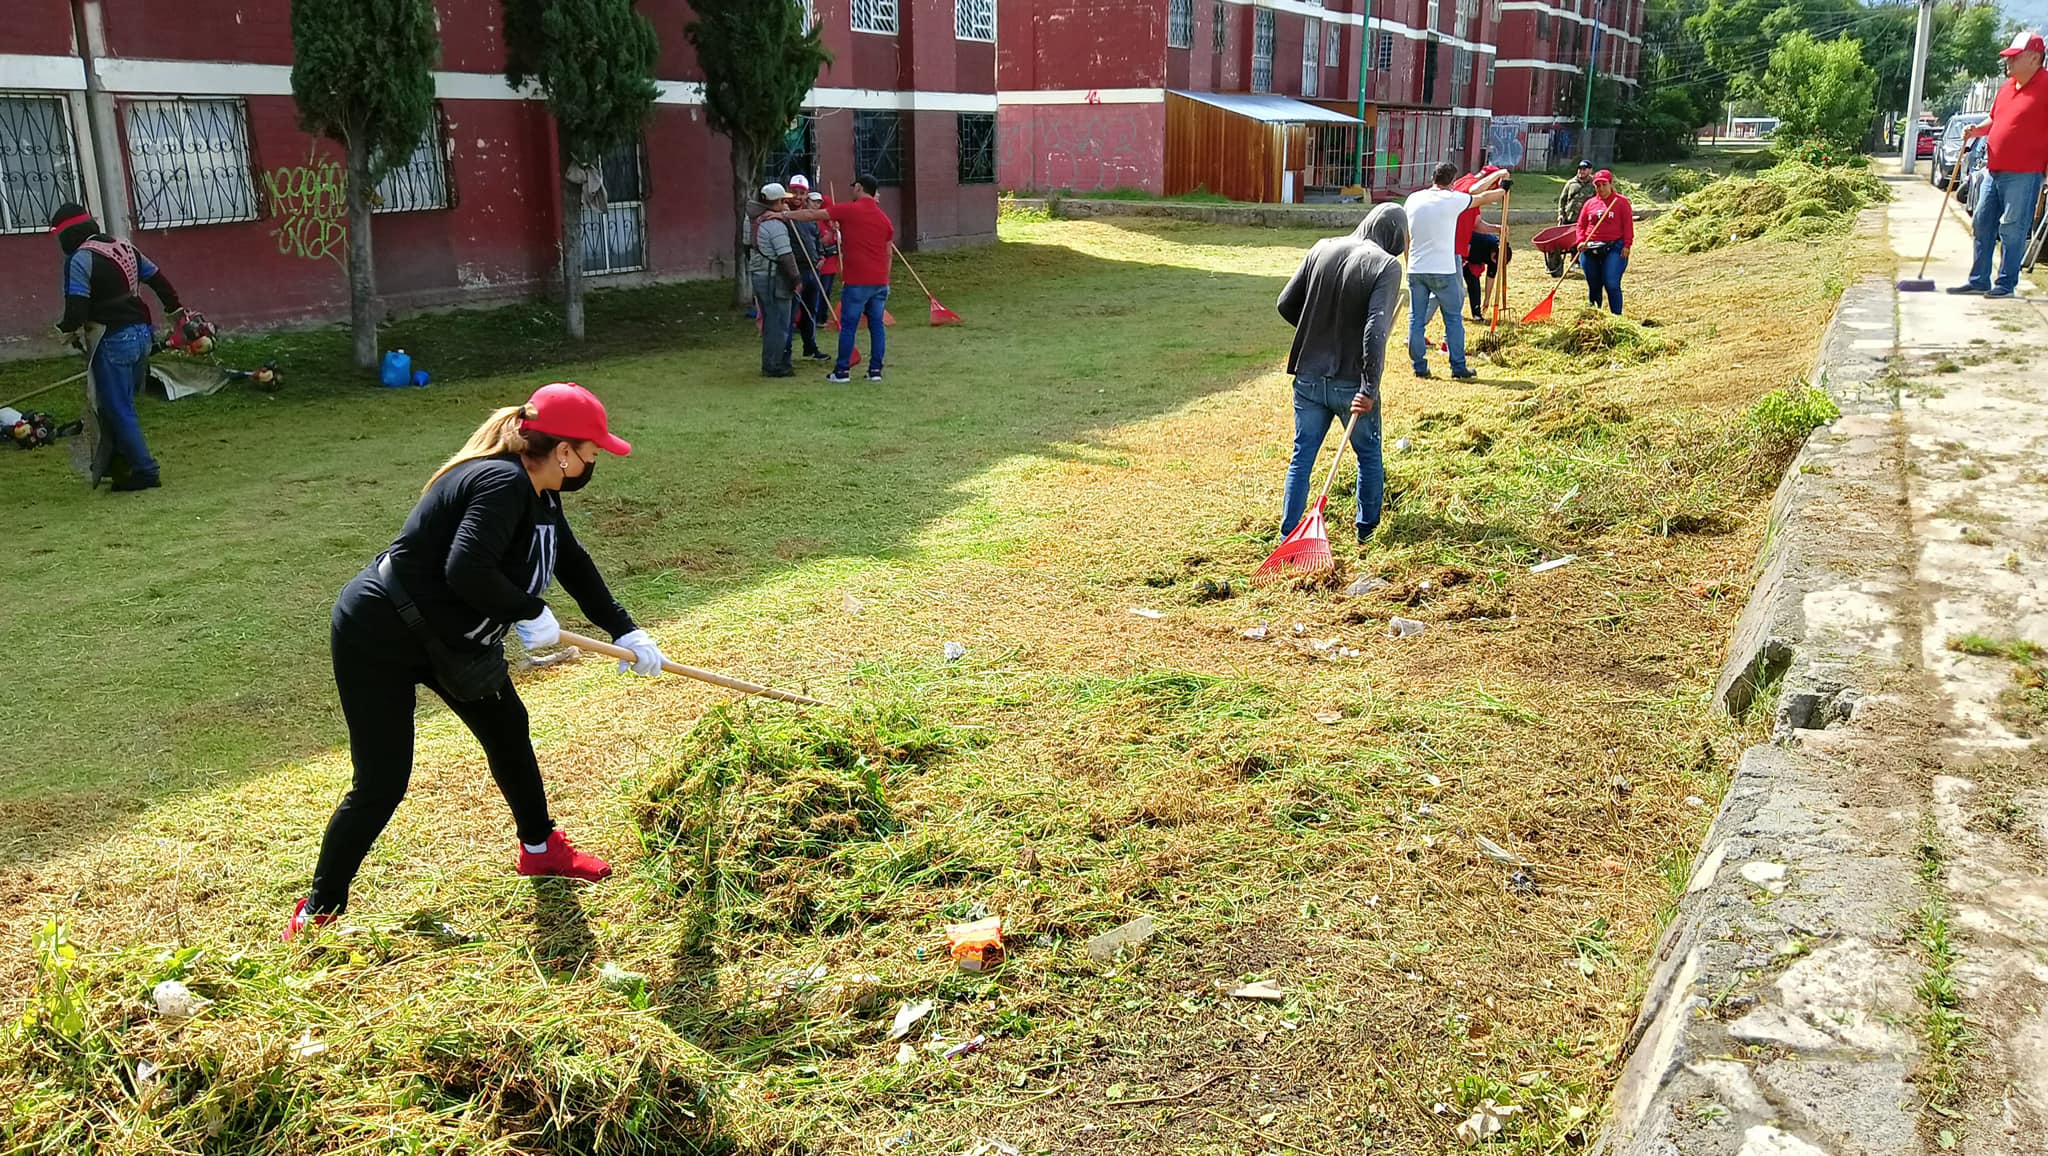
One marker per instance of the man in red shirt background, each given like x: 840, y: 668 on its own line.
x: 866, y: 239
x: 2018, y: 129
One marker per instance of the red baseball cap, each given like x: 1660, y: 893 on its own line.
x: 2025, y: 42
x: 1604, y: 175
x: 568, y: 410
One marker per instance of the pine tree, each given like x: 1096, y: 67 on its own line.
x: 759, y: 64
x: 363, y: 75
x: 593, y: 61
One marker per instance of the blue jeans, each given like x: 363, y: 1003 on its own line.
x: 1603, y: 271
x: 120, y: 368
x: 1318, y: 401
x: 1428, y: 292
x: 857, y: 302
x: 2004, y: 216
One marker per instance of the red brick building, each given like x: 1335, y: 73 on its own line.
x: 1546, y: 50
x: 1083, y: 84
x: 175, y: 123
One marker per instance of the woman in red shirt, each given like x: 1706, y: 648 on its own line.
x: 1607, y: 231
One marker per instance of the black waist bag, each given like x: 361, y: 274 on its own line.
x: 465, y: 679
x: 1599, y: 248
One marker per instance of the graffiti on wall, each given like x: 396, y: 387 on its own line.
x: 309, y: 208
x: 1082, y: 148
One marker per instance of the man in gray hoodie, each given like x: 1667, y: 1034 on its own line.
x: 1341, y: 303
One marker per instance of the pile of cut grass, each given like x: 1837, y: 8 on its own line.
x: 1790, y: 201
x: 1588, y: 339
x: 756, y: 812
x: 408, y: 1040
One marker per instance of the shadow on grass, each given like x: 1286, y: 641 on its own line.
x: 214, y: 591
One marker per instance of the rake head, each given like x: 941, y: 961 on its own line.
x: 942, y: 315
x: 1542, y: 311
x: 1305, y: 551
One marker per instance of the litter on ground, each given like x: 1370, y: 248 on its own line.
x: 1105, y: 947
x: 907, y: 1017
x: 1265, y: 990
x: 1404, y: 628
x: 1554, y: 563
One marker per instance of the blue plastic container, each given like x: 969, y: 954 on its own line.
x: 396, y: 372
x: 419, y: 377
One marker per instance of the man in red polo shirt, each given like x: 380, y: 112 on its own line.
x: 866, y: 238
x: 2018, y: 129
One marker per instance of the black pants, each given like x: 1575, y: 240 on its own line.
x: 378, y: 669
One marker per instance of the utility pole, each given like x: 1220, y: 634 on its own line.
x: 1911, y: 151
x: 1586, y: 117
x: 1364, y: 65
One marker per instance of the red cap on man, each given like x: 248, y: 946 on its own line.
x: 568, y: 410
x: 2025, y: 42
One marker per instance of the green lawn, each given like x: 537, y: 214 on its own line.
x: 1107, y: 433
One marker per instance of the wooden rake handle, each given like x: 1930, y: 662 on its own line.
x: 912, y: 268
x: 581, y: 642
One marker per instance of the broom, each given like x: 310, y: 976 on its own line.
x: 1923, y: 283
x: 571, y: 638
x: 940, y: 314
x: 1544, y: 307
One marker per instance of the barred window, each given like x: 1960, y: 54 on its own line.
x: 974, y: 19
x: 1219, y: 28
x: 615, y: 238
x: 1461, y: 76
x: 1386, y: 59
x: 797, y: 153
x: 1311, y: 43
x: 1180, y: 23
x: 1262, y: 50
x: 874, y: 16
x: 38, y: 162
x: 1543, y: 26
x: 877, y: 147
x: 977, y: 148
x: 188, y: 162
x: 420, y: 183
x: 1334, y: 54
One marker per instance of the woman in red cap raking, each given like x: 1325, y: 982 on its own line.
x: 479, y: 550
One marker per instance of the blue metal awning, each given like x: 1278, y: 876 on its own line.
x: 1270, y: 108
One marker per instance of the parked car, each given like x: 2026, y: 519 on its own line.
x: 1976, y: 171
x: 1924, y: 145
x: 1951, y: 145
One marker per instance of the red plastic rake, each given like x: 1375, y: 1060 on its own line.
x: 940, y: 314
x: 1307, y: 550
x: 1545, y: 307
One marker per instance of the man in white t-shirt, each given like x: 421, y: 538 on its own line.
x: 1433, y: 259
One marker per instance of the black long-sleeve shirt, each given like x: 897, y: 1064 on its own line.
x: 481, y: 547
x: 97, y: 289
x: 1341, y: 301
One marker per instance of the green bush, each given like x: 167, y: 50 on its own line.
x: 1784, y: 417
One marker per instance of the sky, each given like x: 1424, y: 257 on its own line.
x: 2032, y: 13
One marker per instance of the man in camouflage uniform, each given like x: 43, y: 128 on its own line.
x: 1577, y: 192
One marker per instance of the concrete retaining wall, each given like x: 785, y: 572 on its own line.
x: 1780, y: 1014
x: 1336, y: 218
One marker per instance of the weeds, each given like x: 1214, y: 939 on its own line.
x: 1785, y: 417
x: 1942, y: 1020
x: 2025, y: 704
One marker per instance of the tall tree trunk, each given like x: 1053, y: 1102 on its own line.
x: 742, y: 195
x: 362, y: 267
x: 572, y: 247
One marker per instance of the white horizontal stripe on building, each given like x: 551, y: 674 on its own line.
x: 1567, y: 14
x: 1554, y: 66
x: 65, y: 73
x: 1354, y: 19
x: 130, y: 76
x: 1082, y: 96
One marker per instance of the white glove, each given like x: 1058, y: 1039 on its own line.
x: 539, y: 632
x: 647, y: 657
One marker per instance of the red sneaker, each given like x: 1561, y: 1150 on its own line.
x: 300, y: 919
x: 564, y: 861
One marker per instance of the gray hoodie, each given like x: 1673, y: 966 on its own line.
x: 1341, y: 301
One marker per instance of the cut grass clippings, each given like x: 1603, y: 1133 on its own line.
x: 1789, y: 202
x: 1300, y: 808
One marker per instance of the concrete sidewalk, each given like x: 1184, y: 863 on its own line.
x: 1800, y: 1001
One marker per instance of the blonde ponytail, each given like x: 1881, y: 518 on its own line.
x: 500, y: 434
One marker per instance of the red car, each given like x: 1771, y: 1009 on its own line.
x: 1930, y: 135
